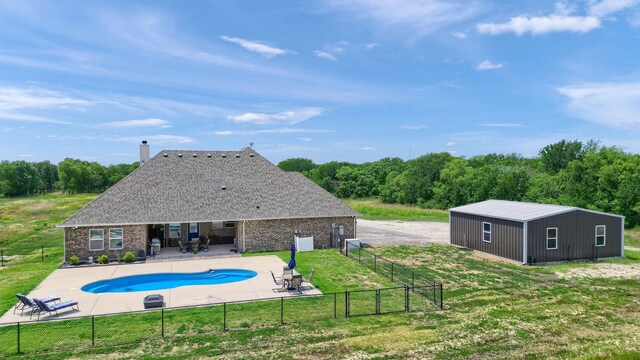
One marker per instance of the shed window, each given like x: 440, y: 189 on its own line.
x: 552, y: 238
x: 115, y: 239
x: 486, y: 232
x: 229, y: 224
x: 96, y: 239
x: 600, y: 235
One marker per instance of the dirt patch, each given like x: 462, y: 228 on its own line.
x: 604, y: 270
x: 393, y: 232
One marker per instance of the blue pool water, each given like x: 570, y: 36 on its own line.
x: 167, y: 281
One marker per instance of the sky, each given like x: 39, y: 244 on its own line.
x: 347, y: 80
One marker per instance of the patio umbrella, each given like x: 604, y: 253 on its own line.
x: 292, y: 262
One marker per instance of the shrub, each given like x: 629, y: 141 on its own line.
x: 103, y: 259
x: 129, y: 257
x: 74, y: 260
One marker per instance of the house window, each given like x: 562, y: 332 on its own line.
x: 96, y: 239
x: 229, y: 224
x: 552, y: 238
x: 217, y: 225
x: 193, y: 228
x: 115, y: 239
x: 600, y: 235
x: 486, y: 232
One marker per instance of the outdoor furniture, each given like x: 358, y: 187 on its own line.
x: 203, y: 244
x: 153, y: 301
x: 296, y: 283
x: 27, y: 304
x: 53, y: 308
x: 278, y: 281
x: 183, y: 249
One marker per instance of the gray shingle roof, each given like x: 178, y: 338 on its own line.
x: 170, y: 188
x: 515, y: 210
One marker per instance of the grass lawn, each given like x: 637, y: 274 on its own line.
x: 494, y: 309
x: 632, y: 238
x: 26, y: 224
x: 372, y: 209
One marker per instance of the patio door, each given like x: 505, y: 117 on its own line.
x: 194, y: 230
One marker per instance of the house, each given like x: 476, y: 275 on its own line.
x: 531, y: 233
x: 233, y: 197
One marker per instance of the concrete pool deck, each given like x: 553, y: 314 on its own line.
x: 66, y: 283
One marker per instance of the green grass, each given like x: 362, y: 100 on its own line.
x: 372, y: 209
x: 632, y: 238
x: 26, y: 224
x: 494, y: 310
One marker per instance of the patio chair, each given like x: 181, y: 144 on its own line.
x: 204, y: 244
x: 183, y: 248
x: 308, y: 287
x: 27, y: 304
x: 287, y: 271
x: 296, y: 283
x: 53, y: 308
x: 277, y: 281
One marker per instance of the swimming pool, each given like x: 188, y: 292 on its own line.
x: 162, y: 281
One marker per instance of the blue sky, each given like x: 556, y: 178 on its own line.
x: 334, y: 80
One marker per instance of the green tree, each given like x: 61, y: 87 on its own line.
x: 297, y: 164
x: 557, y: 156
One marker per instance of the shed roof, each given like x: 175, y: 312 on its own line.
x: 201, y: 186
x: 516, y: 210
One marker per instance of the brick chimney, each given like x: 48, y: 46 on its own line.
x: 144, y: 153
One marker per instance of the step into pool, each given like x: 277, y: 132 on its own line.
x: 161, y: 281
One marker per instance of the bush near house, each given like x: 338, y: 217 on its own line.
x: 129, y: 257
x: 103, y: 259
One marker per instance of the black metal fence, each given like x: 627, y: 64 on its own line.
x: 124, y: 328
x: 400, y: 274
x: 9, y: 256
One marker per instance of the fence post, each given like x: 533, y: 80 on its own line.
x: 434, y: 293
x: 413, y: 281
x: 392, y: 271
x: 335, y: 305
x: 359, y: 251
x: 42, y: 252
x: 377, y: 301
x: 282, y: 310
x: 441, y: 303
x: 93, y: 330
x: 346, y: 249
x: 224, y: 326
x: 18, y: 338
x: 346, y: 303
x: 375, y: 263
x: 1, y: 257
x: 162, y: 322
x: 406, y: 298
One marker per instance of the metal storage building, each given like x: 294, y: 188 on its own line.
x: 531, y: 233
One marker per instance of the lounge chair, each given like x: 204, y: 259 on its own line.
x: 203, y: 244
x: 27, y: 304
x: 183, y: 249
x: 53, y: 308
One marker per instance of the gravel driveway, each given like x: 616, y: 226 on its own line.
x: 379, y: 233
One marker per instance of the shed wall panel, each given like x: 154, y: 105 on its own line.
x: 506, y: 236
x: 576, y: 236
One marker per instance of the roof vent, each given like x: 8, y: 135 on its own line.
x: 257, y: 206
x: 223, y: 187
x: 195, y: 155
x: 224, y: 155
x: 251, y: 155
x: 179, y: 155
x: 237, y: 156
x: 165, y: 155
x: 208, y: 155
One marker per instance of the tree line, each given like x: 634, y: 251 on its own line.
x: 573, y: 173
x: 22, y: 178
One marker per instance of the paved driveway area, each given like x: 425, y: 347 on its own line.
x: 66, y: 283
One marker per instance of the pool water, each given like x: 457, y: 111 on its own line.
x: 162, y: 281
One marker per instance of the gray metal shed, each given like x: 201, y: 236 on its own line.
x: 530, y: 232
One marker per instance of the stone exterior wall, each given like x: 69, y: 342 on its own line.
x: 77, y: 241
x: 279, y: 234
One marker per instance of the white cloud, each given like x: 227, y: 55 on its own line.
x: 488, y: 65
x: 414, y: 127
x: 537, y: 25
x: 139, y: 123
x: 370, y: 46
x: 156, y: 139
x: 257, y: 47
x: 17, y: 103
x: 607, y: 7
x: 450, y: 143
x: 25, y: 155
x: 634, y: 20
x: 367, y: 148
x: 610, y: 104
x: 459, y: 34
x: 325, y: 55
x: 503, y: 125
x: 289, y: 117
x: 408, y: 18
x: 305, y: 139
x: 285, y: 130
